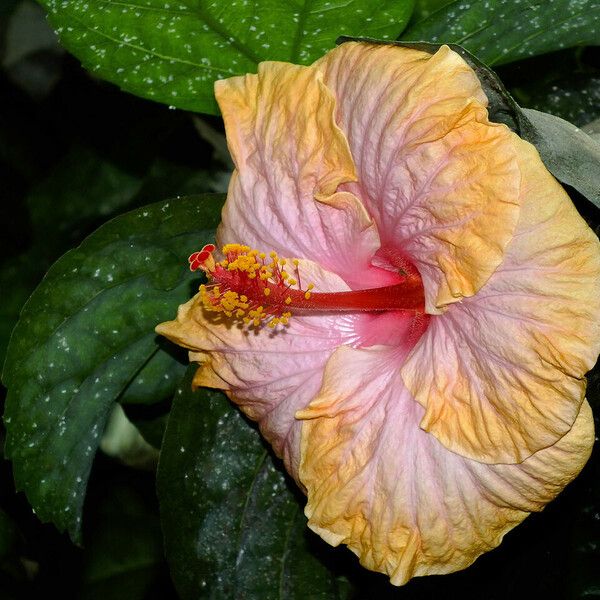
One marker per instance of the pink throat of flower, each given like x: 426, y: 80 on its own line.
x: 256, y: 290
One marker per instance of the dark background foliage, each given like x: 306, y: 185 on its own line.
x: 76, y: 151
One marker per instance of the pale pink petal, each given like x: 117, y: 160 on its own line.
x: 269, y: 374
x: 290, y: 158
x: 439, y: 179
x: 402, y: 502
x: 502, y: 375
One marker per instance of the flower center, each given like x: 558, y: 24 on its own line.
x: 257, y: 289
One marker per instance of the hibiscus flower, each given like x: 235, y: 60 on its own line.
x: 426, y: 390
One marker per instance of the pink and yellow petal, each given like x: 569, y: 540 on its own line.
x: 440, y: 180
x: 502, y: 375
x: 399, y: 499
x: 268, y: 374
x: 290, y: 158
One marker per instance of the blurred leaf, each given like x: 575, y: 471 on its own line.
x: 572, y: 156
x: 233, y: 528
x: 166, y: 178
x: 7, y: 7
x: 83, y: 190
x: 32, y: 52
x: 151, y: 424
x: 28, y: 32
x: 123, y: 557
x: 502, y: 31
x: 123, y: 441
x: 173, y: 52
x: 13, y: 576
x: 216, y: 139
x: 18, y: 278
x: 9, y: 535
x: 84, y: 335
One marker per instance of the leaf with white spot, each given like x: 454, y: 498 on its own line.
x: 84, y: 335
x: 232, y: 520
x: 502, y: 31
x: 425, y: 8
x: 172, y: 51
x: 565, y: 84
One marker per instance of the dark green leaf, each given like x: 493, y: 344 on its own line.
x: 233, y: 527
x: 502, y: 31
x: 565, y: 84
x: 158, y: 378
x: 572, y: 156
x: 84, y: 335
x: 123, y: 557
x: 425, y: 8
x: 172, y: 52
x: 576, y: 100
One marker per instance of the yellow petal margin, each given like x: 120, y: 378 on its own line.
x: 402, y: 502
x: 290, y: 158
x: 269, y: 375
x: 439, y: 179
x: 502, y: 375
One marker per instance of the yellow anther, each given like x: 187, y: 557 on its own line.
x: 307, y: 295
x: 245, y: 265
x: 310, y: 286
